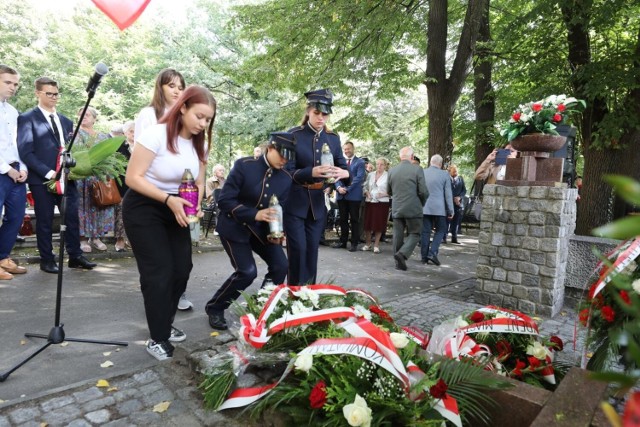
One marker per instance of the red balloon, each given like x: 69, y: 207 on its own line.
x: 122, y: 12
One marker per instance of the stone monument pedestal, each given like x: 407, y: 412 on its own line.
x: 523, y: 247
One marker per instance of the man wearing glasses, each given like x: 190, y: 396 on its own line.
x: 42, y: 134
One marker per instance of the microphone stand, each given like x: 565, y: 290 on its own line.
x: 56, y: 334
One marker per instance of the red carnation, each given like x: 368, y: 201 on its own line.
x: 504, y: 348
x: 318, y: 395
x: 439, y: 389
x: 516, y: 116
x: 608, y: 314
x: 557, y: 117
x: 561, y: 107
x: 534, y: 362
x: 380, y: 313
x: 584, y: 316
x: 517, y: 371
x: 536, y: 107
x: 625, y: 297
x: 556, y: 342
x: 476, y: 317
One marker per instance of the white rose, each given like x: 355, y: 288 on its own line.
x: 636, y: 286
x: 358, y: 414
x: 303, y: 362
x: 537, y: 350
x: 399, y: 340
x: 362, y: 312
x: 524, y: 117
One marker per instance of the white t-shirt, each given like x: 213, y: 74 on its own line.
x: 146, y: 118
x: 166, y: 169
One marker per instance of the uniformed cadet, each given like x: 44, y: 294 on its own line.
x: 243, y: 224
x: 306, y: 215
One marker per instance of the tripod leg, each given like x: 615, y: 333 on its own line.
x: 5, y: 375
x: 120, y: 343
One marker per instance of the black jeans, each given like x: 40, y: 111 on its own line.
x: 163, y: 253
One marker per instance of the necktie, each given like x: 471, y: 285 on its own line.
x: 56, y: 132
x: 348, y: 162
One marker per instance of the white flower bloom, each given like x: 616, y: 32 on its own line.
x: 570, y: 100
x: 358, y: 414
x: 537, y: 350
x: 263, y: 299
x: 636, y: 286
x: 460, y: 322
x: 362, y: 312
x: 306, y: 294
x: 303, y: 362
x: 561, y: 98
x: 298, y: 307
x: 524, y: 117
x: 399, y: 340
x: 629, y: 268
x: 269, y: 288
x: 551, y: 99
x: 502, y: 316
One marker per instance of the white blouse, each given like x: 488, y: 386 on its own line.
x: 377, y: 187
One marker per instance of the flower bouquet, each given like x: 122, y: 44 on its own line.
x: 503, y: 341
x: 100, y: 160
x: 350, y: 364
x: 541, y: 116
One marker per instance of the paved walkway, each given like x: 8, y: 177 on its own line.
x: 59, y: 387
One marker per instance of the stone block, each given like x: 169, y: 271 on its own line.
x: 486, y: 250
x: 539, y: 258
x: 536, y: 231
x: 498, y: 239
x: 514, y: 277
x: 548, y: 272
x: 483, y: 298
x: 552, y: 259
x: 484, y: 237
x: 485, y: 225
x: 530, y: 280
x: 510, y: 204
x: 528, y: 267
x: 98, y: 417
x: 496, y: 262
x: 520, y: 229
x: 525, y: 307
x: 503, y: 190
x: 521, y: 255
x: 533, y: 295
x: 88, y: 394
x: 553, y: 218
x: 546, y: 297
x: 56, y: 403
x: 503, y: 216
x: 24, y: 415
x: 547, y: 282
x: 520, y: 292
x: 61, y: 416
x: 519, y: 218
x: 510, y: 265
x: 560, y: 193
x: 554, y: 231
x: 504, y: 252
x: 484, y: 272
x: 483, y: 260
x: 499, y: 274
x: 549, y: 244
x: 513, y: 241
x: 522, y: 191
x: 536, y: 218
x: 490, y: 286
x: 489, y: 190
x: 509, y: 229
x: 538, y: 192
x: 544, y: 310
x: 531, y: 243
x: 498, y: 227
x: 525, y: 205
x: 496, y: 299
x: 510, y: 303
x: 506, y: 289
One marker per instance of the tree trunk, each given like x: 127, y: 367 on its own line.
x: 484, y: 97
x: 443, y: 92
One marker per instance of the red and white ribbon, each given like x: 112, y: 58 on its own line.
x: 627, y: 255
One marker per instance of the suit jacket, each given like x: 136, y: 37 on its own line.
x: 407, y: 187
x: 440, y: 200
x: 37, y: 143
x: 308, y: 152
x: 248, y: 189
x: 357, y: 174
x: 458, y: 189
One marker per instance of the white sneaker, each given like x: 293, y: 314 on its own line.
x: 184, y: 303
x: 366, y: 248
x: 162, y: 350
x: 177, y: 335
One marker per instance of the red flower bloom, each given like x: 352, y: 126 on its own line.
x: 517, y: 371
x: 561, y: 107
x: 318, y: 395
x: 584, y: 316
x: 631, y: 415
x: 556, y: 342
x: 608, y: 314
x: 592, y: 290
x: 380, y: 313
x: 476, y: 317
x: 516, y: 116
x: 536, y: 107
x: 439, y: 389
x: 504, y: 348
x: 534, y: 362
x: 557, y: 117
x: 625, y: 297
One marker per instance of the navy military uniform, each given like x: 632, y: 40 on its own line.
x: 248, y: 189
x: 305, y: 216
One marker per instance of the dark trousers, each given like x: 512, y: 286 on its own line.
x: 303, y: 241
x: 349, y: 218
x: 241, y: 257
x: 45, y: 203
x: 430, y: 248
x: 13, y: 196
x: 163, y: 253
x: 454, y: 223
x: 413, y: 226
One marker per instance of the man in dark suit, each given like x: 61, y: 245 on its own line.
x: 350, y: 198
x: 437, y: 209
x: 42, y: 133
x: 458, y: 191
x: 407, y: 187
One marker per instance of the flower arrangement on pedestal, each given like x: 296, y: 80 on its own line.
x: 541, y: 116
x: 349, y: 364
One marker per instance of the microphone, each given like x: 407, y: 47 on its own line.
x: 94, y: 81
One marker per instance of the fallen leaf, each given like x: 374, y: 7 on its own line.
x: 214, y: 334
x: 118, y: 349
x: 161, y: 407
x: 112, y: 389
x: 106, y: 353
x: 23, y: 342
x: 64, y: 344
x: 107, y: 364
x: 1, y: 401
x: 102, y: 383
x: 44, y: 424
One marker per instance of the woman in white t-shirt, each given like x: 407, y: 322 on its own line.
x: 154, y: 217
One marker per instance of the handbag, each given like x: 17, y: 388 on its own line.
x: 105, y: 193
x: 473, y: 207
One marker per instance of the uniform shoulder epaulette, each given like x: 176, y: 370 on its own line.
x: 330, y: 132
x: 296, y: 129
x: 247, y: 159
